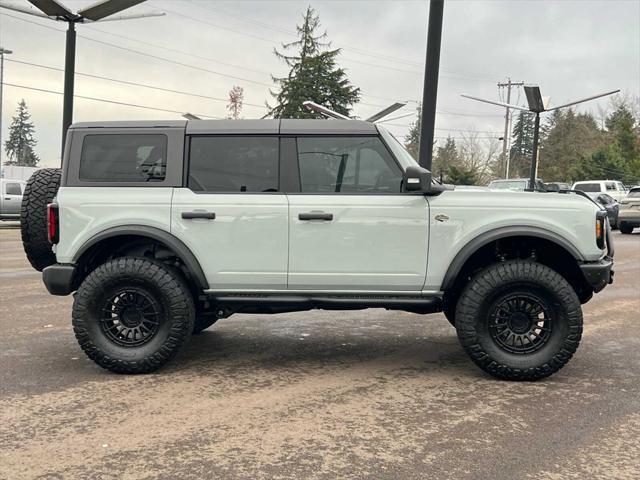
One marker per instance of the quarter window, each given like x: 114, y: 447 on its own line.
x: 233, y: 164
x: 347, y: 165
x: 123, y: 158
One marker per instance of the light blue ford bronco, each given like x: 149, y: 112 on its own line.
x: 162, y: 228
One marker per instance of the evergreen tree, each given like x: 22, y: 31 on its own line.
x: 446, y: 156
x: 20, y: 144
x: 605, y: 163
x: 412, y: 140
x: 569, y: 138
x: 313, y: 75
x: 522, y: 145
x: 461, y: 176
x: 623, y: 126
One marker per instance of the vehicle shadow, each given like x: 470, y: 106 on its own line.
x: 224, y: 350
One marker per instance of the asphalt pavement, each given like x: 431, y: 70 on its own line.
x: 315, y: 395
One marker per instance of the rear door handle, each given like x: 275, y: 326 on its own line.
x: 316, y: 216
x: 196, y: 214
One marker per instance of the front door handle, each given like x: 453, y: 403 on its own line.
x: 316, y: 216
x: 197, y: 214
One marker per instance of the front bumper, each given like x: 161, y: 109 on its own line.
x: 59, y: 278
x: 598, y: 274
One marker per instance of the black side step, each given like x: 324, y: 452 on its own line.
x: 269, y: 303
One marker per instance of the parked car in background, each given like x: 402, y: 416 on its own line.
x: 10, y: 199
x: 629, y: 214
x: 515, y: 184
x: 557, y: 186
x: 610, y: 204
x: 613, y: 188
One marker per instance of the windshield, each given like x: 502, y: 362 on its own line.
x: 634, y: 193
x: 397, y: 149
x: 508, y: 185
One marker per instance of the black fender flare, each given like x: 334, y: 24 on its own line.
x: 181, y: 250
x: 503, y: 232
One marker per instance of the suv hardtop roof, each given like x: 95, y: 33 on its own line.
x: 248, y: 127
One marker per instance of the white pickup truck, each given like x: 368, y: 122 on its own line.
x: 10, y: 198
x: 162, y: 228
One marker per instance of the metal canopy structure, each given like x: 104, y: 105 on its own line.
x: 327, y: 112
x: 537, y: 105
x: 101, y: 11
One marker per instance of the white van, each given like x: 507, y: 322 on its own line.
x: 613, y: 188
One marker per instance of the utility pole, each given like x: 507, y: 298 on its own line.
x: 507, y: 128
x: 3, y: 52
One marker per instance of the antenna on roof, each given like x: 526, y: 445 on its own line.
x: 537, y: 105
x: 190, y: 116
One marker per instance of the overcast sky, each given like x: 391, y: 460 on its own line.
x: 571, y: 49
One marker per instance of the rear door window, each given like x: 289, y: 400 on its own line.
x: 123, y: 158
x: 229, y: 164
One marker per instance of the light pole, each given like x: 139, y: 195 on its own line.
x: 54, y: 10
x: 3, y: 52
x: 430, y: 87
x: 537, y: 106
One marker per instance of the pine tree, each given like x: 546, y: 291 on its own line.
x: 622, y: 124
x: 522, y: 145
x: 412, y: 139
x: 570, y: 137
x: 19, y: 146
x: 313, y: 75
x: 236, y: 98
x: 446, y: 156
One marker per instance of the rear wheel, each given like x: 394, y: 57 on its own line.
x: 625, y: 228
x: 40, y: 190
x: 519, y: 320
x: 132, y: 315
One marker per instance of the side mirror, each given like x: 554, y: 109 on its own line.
x: 416, y: 179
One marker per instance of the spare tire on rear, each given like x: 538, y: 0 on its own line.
x: 41, y: 188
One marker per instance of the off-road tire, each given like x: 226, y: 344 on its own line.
x: 203, y: 322
x: 40, y: 190
x: 624, y: 228
x: 509, y: 278
x: 163, y: 285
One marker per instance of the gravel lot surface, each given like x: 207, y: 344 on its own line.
x: 317, y: 395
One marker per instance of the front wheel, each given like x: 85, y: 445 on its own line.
x: 519, y: 320
x: 132, y: 315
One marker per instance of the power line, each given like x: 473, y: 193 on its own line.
x: 359, y: 51
x: 105, y: 100
x: 135, y: 84
x: 343, y: 47
x: 157, y: 57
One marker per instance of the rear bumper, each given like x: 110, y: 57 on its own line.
x: 58, y: 278
x: 598, y: 274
